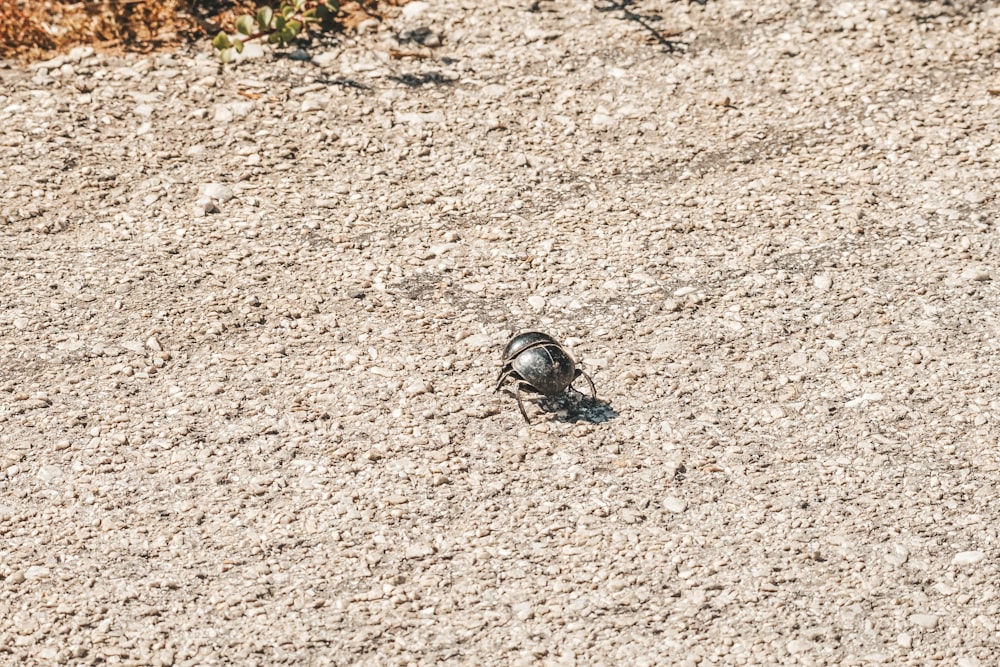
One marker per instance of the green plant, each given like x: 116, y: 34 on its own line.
x: 280, y: 26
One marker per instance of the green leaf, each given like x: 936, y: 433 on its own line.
x: 274, y: 38
x: 226, y: 56
x: 294, y: 27
x: 288, y: 12
x: 238, y: 45
x: 333, y: 6
x: 279, y: 23
x: 244, y: 24
x: 221, y: 41
x: 264, y: 16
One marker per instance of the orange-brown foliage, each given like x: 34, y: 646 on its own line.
x: 31, y: 28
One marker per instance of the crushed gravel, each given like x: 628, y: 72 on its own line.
x: 251, y: 319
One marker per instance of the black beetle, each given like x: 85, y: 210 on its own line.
x: 538, y: 362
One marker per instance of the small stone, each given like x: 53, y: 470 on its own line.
x: 524, y: 611
x: 968, y: 558
x: 396, y: 500
x: 905, y: 640
x: 419, y: 550
x: 537, y: 303
x: 968, y: 662
x: 412, y: 10
x: 36, y: 572
x: 144, y: 110
x: 603, y: 120
x: 417, y: 388
x: 223, y: 114
x: 536, y: 35
x: 416, y: 118
x: 368, y: 25
x: 925, y: 621
x: 799, y: 646
x: 21, y: 323
x: 862, y: 400
x: 976, y: 275
x: 78, y: 53
x: 16, y: 578
x: 154, y: 344
x: 798, y: 359
x: 220, y: 192
x: 132, y: 346
x: 251, y: 50
x: 313, y: 103
x: 674, y: 504
x: 49, y: 473
x: 897, y: 555
x: 328, y: 58
x: 476, y: 340
x: 661, y: 351
x: 975, y: 197
x: 823, y: 281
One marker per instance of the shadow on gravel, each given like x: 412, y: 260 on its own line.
x: 662, y: 37
x: 572, y: 407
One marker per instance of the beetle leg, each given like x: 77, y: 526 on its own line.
x: 506, y: 374
x: 503, y: 376
x: 520, y: 405
x: 593, y: 391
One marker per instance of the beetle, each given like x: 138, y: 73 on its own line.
x: 537, y: 362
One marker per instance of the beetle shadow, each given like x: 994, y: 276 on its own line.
x: 574, y: 407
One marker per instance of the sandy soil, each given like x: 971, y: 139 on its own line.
x: 251, y: 318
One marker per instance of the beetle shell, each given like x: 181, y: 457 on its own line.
x: 545, y: 367
x: 521, y: 342
x: 537, y: 362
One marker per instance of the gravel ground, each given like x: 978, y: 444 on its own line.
x: 251, y: 318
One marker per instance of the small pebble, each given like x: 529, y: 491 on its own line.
x: 674, y: 504
x: 217, y: 191
x: 799, y: 646
x: 968, y: 558
x: 823, y: 281
x: 926, y: 621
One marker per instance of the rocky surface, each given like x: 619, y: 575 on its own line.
x: 251, y: 317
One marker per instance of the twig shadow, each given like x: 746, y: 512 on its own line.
x: 344, y: 83
x: 422, y: 79
x: 644, y: 20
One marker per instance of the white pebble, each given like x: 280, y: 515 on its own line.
x: 217, y: 191
x: 926, y: 621
x: 674, y: 504
x: 968, y: 558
